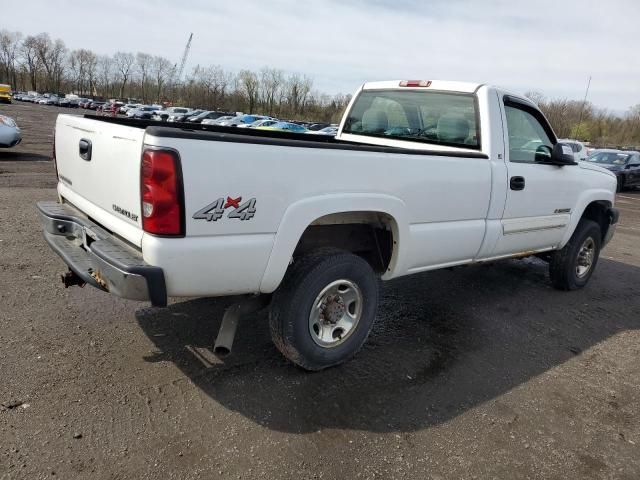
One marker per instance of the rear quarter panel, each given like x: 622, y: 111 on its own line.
x: 294, y: 186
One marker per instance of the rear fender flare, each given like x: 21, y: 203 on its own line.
x: 303, y: 213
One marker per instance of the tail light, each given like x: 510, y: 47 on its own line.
x: 161, y: 193
x: 53, y: 152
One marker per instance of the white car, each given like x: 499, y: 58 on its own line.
x: 265, y: 122
x: 579, y: 149
x: 169, y: 114
x: 144, y: 112
x: 129, y: 106
x: 10, y: 133
x: 220, y: 121
x: 155, y: 211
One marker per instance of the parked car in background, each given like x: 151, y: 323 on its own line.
x: 331, y: 130
x: 10, y: 134
x: 286, y: 127
x: 259, y: 123
x: 243, y: 120
x: 111, y: 108
x: 169, y: 114
x: 316, y: 127
x: 143, y: 113
x: 129, y: 106
x: 624, y: 164
x: 579, y: 149
x: 184, y: 117
x: 5, y: 93
x: 220, y: 121
x: 68, y: 102
x: 208, y: 115
x: 95, y: 105
x: 84, y: 103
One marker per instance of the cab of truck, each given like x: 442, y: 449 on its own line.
x: 5, y: 93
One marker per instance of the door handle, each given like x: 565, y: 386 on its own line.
x: 84, y: 149
x: 516, y: 183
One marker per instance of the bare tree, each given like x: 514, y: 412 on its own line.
x: 29, y: 54
x: 143, y: 62
x: 250, y: 86
x: 161, y: 69
x: 271, y: 81
x: 105, y: 75
x: 123, y: 63
x: 9, y: 48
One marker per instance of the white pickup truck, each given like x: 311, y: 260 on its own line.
x: 422, y: 175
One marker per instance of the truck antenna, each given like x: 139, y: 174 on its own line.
x: 584, y: 102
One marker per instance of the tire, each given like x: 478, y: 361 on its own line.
x: 313, y: 338
x: 620, y: 184
x: 564, y: 267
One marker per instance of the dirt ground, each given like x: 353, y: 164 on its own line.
x: 475, y: 373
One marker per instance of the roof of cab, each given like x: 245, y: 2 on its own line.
x: 464, y: 87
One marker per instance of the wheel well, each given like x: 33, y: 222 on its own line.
x: 597, y: 211
x: 366, y: 234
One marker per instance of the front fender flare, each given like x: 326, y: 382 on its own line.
x: 587, y: 197
x: 303, y: 213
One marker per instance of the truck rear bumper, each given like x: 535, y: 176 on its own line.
x: 98, y: 257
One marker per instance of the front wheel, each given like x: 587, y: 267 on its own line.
x: 322, y: 313
x: 571, y: 267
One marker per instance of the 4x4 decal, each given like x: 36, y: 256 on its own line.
x: 216, y: 210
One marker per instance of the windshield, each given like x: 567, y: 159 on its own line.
x: 609, y: 158
x: 420, y: 116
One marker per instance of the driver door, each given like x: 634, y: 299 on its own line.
x: 540, y: 197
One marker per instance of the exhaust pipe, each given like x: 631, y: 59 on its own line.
x: 229, y: 325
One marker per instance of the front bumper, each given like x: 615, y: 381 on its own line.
x: 98, y: 257
x: 613, y: 214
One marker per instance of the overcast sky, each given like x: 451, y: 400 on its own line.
x: 551, y: 46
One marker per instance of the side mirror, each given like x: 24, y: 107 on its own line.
x: 562, y: 154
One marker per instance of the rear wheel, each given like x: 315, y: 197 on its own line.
x: 571, y: 267
x: 322, y: 313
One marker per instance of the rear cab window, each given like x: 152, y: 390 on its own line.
x: 431, y: 117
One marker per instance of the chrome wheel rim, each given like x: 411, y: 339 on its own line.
x: 585, y: 258
x: 335, y: 313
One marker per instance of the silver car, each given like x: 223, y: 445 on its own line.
x: 10, y: 134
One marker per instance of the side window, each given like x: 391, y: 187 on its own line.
x: 528, y: 141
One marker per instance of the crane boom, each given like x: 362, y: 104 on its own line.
x: 183, y: 61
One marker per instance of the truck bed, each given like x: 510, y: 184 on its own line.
x: 198, y: 131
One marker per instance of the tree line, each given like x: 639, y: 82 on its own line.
x: 43, y: 64
x: 584, y: 121
x: 38, y: 62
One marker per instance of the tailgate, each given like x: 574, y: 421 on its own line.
x: 99, y: 172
